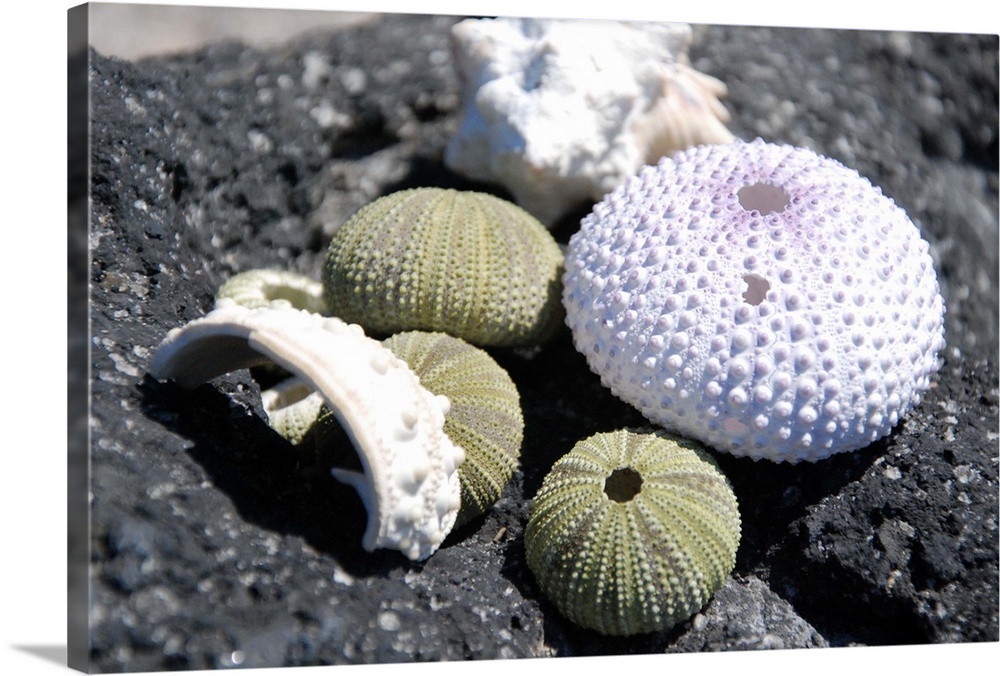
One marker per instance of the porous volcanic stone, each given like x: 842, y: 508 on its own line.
x: 213, y: 543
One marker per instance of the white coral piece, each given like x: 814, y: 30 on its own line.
x: 410, y: 486
x: 563, y: 111
x: 760, y: 298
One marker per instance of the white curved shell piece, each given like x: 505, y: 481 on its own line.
x: 563, y: 111
x: 410, y: 484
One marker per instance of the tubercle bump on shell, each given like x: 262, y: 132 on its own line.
x: 396, y: 424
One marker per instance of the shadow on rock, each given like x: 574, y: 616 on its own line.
x: 271, y: 483
x: 776, y: 501
x: 774, y: 495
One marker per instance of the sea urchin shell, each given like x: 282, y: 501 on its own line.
x: 259, y: 288
x: 464, y: 263
x: 485, y: 417
x: 409, y: 483
x: 632, y: 532
x: 760, y: 298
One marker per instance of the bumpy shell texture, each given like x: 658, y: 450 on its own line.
x: 464, y: 263
x: 259, y: 288
x: 485, y: 417
x: 632, y: 532
x: 760, y: 298
x: 408, y: 481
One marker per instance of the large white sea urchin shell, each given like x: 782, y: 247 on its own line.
x: 760, y: 298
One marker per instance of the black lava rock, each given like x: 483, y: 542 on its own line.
x: 215, y: 544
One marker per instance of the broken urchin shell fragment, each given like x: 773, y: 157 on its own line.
x: 561, y: 112
x: 761, y: 298
x: 410, y: 484
x: 293, y: 408
x: 259, y: 288
x: 484, y: 416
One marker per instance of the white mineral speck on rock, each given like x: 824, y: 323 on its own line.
x: 892, y: 473
x: 327, y: 116
x: 389, y: 620
x: 354, y: 81
x: 123, y: 365
x: 316, y: 69
x: 341, y: 576
x: 260, y: 142
x: 560, y: 112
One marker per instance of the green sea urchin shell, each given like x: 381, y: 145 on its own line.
x: 464, y: 263
x: 632, y: 532
x: 293, y: 409
x: 485, y: 417
x: 260, y: 288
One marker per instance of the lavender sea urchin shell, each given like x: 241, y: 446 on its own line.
x: 464, y: 263
x: 632, y: 532
x: 761, y: 298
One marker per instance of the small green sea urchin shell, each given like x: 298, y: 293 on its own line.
x: 293, y: 409
x: 464, y: 263
x: 260, y: 288
x: 485, y: 417
x: 632, y: 532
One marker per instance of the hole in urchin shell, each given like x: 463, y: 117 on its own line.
x: 757, y: 288
x: 623, y: 484
x: 763, y: 198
